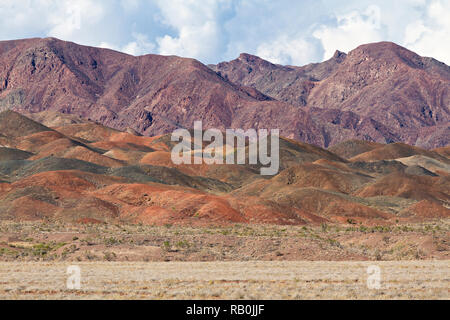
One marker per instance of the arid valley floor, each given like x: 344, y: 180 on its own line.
x: 227, y: 280
x: 235, y: 262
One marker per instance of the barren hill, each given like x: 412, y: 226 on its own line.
x: 84, y: 171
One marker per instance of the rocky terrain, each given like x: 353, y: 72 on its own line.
x: 59, y: 241
x: 378, y: 92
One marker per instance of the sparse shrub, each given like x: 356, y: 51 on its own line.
x: 112, y: 241
x: 166, y: 245
x: 109, y: 256
x: 378, y: 255
x: 183, y: 244
x: 90, y: 256
x: 43, y: 249
x: 334, y: 243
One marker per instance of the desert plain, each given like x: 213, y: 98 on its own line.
x: 236, y: 262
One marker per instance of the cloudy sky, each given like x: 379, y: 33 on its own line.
x: 284, y: 31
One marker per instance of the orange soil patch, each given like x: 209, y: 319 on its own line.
x: 325, y: 204
x: 159, y: 205
x: 5, y: 187
x: 182, y: 203
x: 426, y: 209
x: 163, y: 159
x: 89, y: 207
x: 407, y: 186
x: 352, y: 148
x: 126, y: 146
x: 341, y: 211
x: 56, y: 148
x: 444, y: 151
x: 304, y: 176
x: 56, y: 180
x: 34, y: 142
x: 82, y: 153
x: 394, y: 151
x: 88, y: 221
x: 27, y: 208
x: 332, y: 164
x: 138, y: 140
x: 309, y: 148
x: 70, y: 180
x: 130, y: 157
x: 87, y: 131
x: 310, y: 175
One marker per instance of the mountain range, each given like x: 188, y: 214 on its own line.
x: 380, y: 92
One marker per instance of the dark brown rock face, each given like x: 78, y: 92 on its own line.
x: 379, y: 92
x: 284, y: 83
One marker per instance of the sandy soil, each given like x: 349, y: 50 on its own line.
x: 227, y: 280
x: 89, y: 243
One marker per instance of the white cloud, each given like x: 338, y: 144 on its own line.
x: 285, y: 50
x: 217, y: 30
x: 140, y: 46
x: 198, y: 28
x: 20, y: 18
x: 130, y: 5
x: 107, y: 45
x: 192, y: 41
x: 81, y: 21
x: 70, y: 17
x: 351, y: 30
x: 431, y: 35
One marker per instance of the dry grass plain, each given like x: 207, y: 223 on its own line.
x: 236, y: 262
x: 227, y: 280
